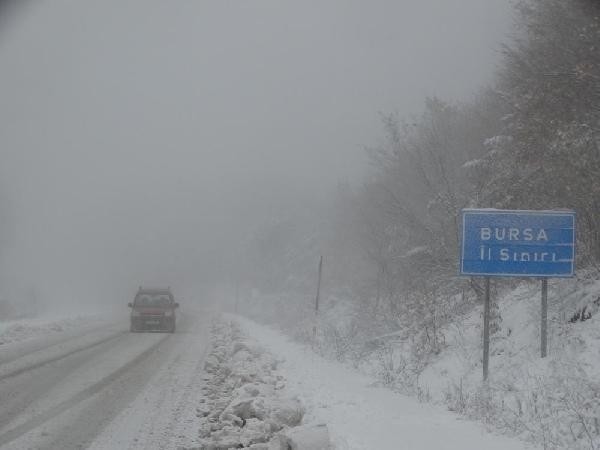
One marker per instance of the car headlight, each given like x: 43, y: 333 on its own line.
x: 135, y: 313
x: 168, y: 313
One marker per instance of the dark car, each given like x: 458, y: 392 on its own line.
x: 153, y: 309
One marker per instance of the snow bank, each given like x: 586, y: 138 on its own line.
x: 246, y: 404
x: 13, y: 331
x: 362, y: 416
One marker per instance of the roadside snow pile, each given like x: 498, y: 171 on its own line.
x: 245, y: 404
x: 21, y: 330
x: 361, y: 415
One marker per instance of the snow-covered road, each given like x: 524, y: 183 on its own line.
x: 102, y: 387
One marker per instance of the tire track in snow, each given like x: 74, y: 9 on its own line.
x: 13, y: 351
x: 42, y: 362
x: 43, y: 417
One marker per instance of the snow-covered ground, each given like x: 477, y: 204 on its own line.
x: 19, y: 330
x: 515, y: 345
x: 362, y: 416
x: 552, y: 402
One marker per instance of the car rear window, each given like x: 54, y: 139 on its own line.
x: 152, y: 300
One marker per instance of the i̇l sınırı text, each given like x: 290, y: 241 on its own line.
x: 487, y: 253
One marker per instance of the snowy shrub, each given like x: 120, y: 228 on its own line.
x: 393, y: 368
x: 344, y: 342
x: 554, y: 411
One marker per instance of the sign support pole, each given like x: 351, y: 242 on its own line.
x: 486, y: 329
x: 544, y: 324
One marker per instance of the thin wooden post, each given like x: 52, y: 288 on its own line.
x: 237, y: 296
x: 319, y: 286
x: 317, y: 297
x: 486, y: 330
x: 544, y: 324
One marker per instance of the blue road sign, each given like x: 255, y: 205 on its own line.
x: 518, y: 243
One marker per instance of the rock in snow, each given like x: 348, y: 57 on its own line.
x: 315, y: 437
x: 245, y: 403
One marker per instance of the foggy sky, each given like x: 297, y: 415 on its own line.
x: 141, y: 139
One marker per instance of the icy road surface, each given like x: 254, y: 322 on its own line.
x: 102, y: 387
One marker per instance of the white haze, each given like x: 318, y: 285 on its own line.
x: 142, y: 140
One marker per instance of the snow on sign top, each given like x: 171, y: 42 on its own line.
x: 499, y: 242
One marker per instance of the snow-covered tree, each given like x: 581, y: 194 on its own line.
x: 550, y: 83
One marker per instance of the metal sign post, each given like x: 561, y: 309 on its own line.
x: 486, y: 330
x: 507, y: 243
x: 544, y: 325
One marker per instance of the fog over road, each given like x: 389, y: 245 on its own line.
x: 160, y: 136
x: 103, y: 387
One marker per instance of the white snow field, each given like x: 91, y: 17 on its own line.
x: 361, y: 416
x: 19, y: 330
